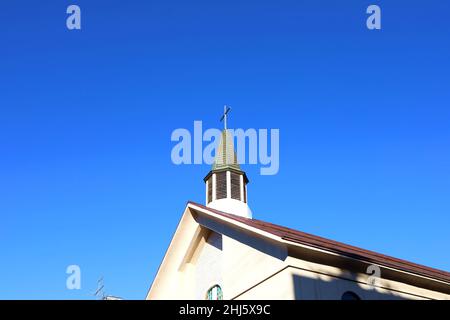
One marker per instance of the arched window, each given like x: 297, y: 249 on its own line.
x: 349, y: 295
x: 214, y: 293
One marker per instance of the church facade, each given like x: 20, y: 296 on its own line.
x: 220, y: 252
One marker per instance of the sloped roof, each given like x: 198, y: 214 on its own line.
x: 303, y: 238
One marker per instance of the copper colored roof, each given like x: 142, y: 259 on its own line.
x: 335, y: 247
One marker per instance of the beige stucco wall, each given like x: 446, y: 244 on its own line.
x: 209, y: 266
x: 294, y: 284
x: 246, y: 265
x: 245, y: 272
x: 303, y: 280
x: 279, y: 286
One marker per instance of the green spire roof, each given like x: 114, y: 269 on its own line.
x: 225, y: 155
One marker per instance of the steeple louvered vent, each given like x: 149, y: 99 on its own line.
x: 235, y: 186
x: 221, y: 185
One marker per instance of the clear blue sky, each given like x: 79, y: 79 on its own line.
x: 86, y: 117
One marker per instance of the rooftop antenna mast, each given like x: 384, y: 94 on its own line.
x: 99, y: 292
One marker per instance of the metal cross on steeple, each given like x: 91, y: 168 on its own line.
x: 226, y: 110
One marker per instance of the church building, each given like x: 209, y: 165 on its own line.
x: 219, y: 251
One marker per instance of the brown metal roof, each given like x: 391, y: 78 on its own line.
x: 336, y: 247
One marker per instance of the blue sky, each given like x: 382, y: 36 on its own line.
x: 86, y: 118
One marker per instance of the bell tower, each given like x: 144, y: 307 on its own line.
x: 226, y: 183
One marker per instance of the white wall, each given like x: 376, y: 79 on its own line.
x: 208, y: 267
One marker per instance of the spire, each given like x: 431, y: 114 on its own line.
x: 226, y: 183
x: 225, y: 155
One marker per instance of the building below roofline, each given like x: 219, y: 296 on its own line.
x: 220, y: 255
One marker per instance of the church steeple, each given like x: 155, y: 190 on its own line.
x: 226, y: 183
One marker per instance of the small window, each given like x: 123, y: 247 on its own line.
x: 215, y: 293
x: 349, y: 295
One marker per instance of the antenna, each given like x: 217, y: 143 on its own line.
x: 99, y: 292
